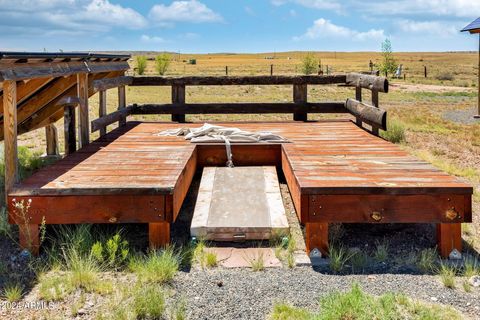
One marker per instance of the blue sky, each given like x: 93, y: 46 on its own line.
x: 201, y: 26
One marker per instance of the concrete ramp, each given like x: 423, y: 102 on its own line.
x: 241, y: 203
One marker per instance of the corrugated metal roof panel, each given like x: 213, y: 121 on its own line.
x: 50, y: 56
x: 473, y: 25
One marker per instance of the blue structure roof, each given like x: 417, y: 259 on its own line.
x: 475, y: 25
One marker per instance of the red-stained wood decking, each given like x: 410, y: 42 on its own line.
x: 336, y: 172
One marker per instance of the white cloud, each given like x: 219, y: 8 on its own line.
x: 114, y: 14
x: 184, y: 11
x: 315, y: 4
x: 458, y: 8
x: 323, y: 28
x: 151, y: 39
x: 69, y: 16
x: 440, y: 28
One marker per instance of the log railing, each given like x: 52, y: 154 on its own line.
x: 371, y: 115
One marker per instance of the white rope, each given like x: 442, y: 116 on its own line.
x: 210, y: 134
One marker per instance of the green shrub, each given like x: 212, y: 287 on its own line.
x: 149, y: 302
x: 157, y: 266
x: 388, y: 64
x: 113, y: 253
x: 162, y: 62
x: 309, y: 64
x: 338, y: 257
x: 257, y: 262
x: 381, y: 251
x: 13, y: 292
x: 427, y: 260
x: 395, y: 132
x: 445, y: 76
x: 447, y: 275
x: 355, y: 304
x: 141, y: 64
x: 54, y: 287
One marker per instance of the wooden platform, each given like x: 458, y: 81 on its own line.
x: 336, y: 172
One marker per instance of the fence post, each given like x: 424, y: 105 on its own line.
x: 226, y: 70
x: 102, y: 109
x: 425, y: 70
x: 300, y: 98
x: 51, y: 136
x: 82, y: 91
x: 375, y: 104
x: 358, y: 96
x: 271, y: 70
x: 122, y: 103
x: 178, y: 98
x: 69, y: 128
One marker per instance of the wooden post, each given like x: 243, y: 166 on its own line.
x: 300, y: 97
x: 178, y: 98
x: 102, y: 108
x: 10, y: 134
x: 271, y: 69
x: 69, y: 129
x: 83, y: 123
x: 122, y: 103
x: 52, y: 140
x: 375, y: 98
x: 375, y: 104
x: 226, y: 70
x: 158, y: 234
x: 425, y: 71
x: 449, y: 237
x: 316, y: 236
x: 28, y: 233
x: 358, y: 96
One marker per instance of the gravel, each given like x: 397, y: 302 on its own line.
x: 464, y: 116
x: 245, y: 294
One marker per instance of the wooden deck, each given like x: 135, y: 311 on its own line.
x: 336, y: 172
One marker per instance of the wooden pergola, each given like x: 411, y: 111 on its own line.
x: 474, y: 27
x: 38, y: 89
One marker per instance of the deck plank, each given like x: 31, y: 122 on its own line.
x: 332, y: 157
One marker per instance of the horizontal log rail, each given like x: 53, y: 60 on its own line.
x: 371, y: 115
x: 366, y: 81
x: 239, y: 108
x: 110, y: 83
x: 236, y: 80
x: 110, y: 118
x: 300, y: 107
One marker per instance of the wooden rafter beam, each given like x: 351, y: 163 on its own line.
x: 53, y: 112
x: 58, y: 69
x: 49, y: 93
x: 26, y: 89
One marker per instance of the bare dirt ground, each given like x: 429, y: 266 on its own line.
x: 419, y: 87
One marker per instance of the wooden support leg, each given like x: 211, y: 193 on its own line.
x: 158, y: 234
x: 52, y: 140
x: 29, y: 237
x: 449, y: 237
x: 316, y: 236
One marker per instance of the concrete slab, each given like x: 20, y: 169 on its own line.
x: 242, y: 257
x: 241, y: 203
